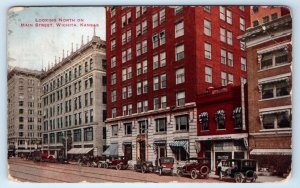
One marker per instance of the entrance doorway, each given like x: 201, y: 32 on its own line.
x: 142, y: 150
x: 161, y: 151
x: 128, y: 151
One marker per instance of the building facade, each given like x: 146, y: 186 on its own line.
x: 269, y: 54
x: 74, y: 101
x: 24, y: 111
x: 159, y: 60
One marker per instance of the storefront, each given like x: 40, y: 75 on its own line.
x: 180, y: 149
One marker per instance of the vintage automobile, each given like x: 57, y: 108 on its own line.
x: 165, y: 165
x: 143, y: 166
x: 242, y: 170
x: 119, y: 163
x: 195, y: 167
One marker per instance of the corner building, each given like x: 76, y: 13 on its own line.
x: 24, y: 111
x: 269, y: 52
x: 74, y: 102
x: 159, y: 60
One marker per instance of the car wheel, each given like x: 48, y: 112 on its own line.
x: 119, y: 166
x: 204, y: 170
x: 143, y: 169
x: 105, y: 165
x: 194, y: 174
x: 160, y: 171
x: 238, y: 177
x: 179, y: 173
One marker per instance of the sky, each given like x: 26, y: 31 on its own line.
x: 33, y: 47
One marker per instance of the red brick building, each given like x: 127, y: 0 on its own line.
x: 270, y: 84
x: 222, y: 123
x: 159, y: 60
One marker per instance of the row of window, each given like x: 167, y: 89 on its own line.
x: 266, y: 19
x: 29, y: 134
x: 274, y: 59
x: 142, y: 106
x: 182, y: 124
x: 22, y: 82
x: 30, y: 127
x: 68, y: 76
x: 30, y: 104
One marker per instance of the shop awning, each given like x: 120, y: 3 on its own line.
x: 180, y: 143
x: 127, y: 143
x: 112, y: 150
x: 223, y: 137
x: 271, y: 152
x: 79, y: 150
x: 273, y: 80
x: 158, y: 142
x: 274, y: 111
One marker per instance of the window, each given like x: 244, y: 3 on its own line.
x: 162, y: 16
x: 113, y: 79
x: 113, y: 27
x: 128, y: 16
x: 274, y: 16
x: 275, y: 89
x: 229, y: 37
x: 237, y: 116
x: 230, y: 78
x: 179, y: 29
x: 156, y: 103
x: 113, y: 62
x: 206, y: 8
x: 207, y: 27
x: 124, y: 92
x: 162, y: 37
x: 161, y: 125
x: 139, y: 88
x: 243, y: 64
x: 128, y: 35
x: 129, y: 90
x: 203, y: 118
x: 138, y: 30
x: 124, y: 110
x: 124, y: 74
x: 124, y: 56
x: 179, y: 52
x: 144, y: 9
x: 242, y: 8
x: 139, y: 107
x: 223, y: 78
x: 222, y: 13
x: 255, y: 23
x: 180, y: 98
x: 208, y: 74
x: 129, y: 73
x: 129, y: 109
x: 145, y: 66
x: 276, y: 120
x: 128, y: 128
x: 113, y: 96
x: 178, y: 9
x: 113, y: 112
x: 155, y: 61
x: 154, y: 20
x: 162, y: 59
x: 163, y: 101
x: 145, y: 86
x: 144, y: 26
x: 182, y: 123
x: 180, y: 76
x: 163, y: 81
x: 145, y: 105
x: 144, y: 44
x: 242, y: 24
x: 155, y: 40
x: 76, y: 135
x: 123, y: 21
x: 88, y: 134
x: 222, y: 35
x: 265, y: 19
x: 138, y: 11
x: 155, y: 83
x: 243, y: 45
x: 143, y: 126
x: 230, y: 59
x: 207, y: 52
x: 220, y: 119
x: 223, y: 56
x: 273, y: 59
x: 138, y: 49
x: 113, y: 46
x: 138, y: 69
x: 229, y: 16
x: 114, y: 130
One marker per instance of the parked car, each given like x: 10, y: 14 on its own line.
x: 165, y: 165
x: 119, y: 163
x: 242, y: 170
x: 195, y: 167
x: 35, y: 155
x: 143, y: 166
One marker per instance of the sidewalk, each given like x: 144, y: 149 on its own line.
x: 260, y: 179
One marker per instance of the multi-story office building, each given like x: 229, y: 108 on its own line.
x: 24, y: 110
x: 74, y: 101
x: 269, y: 57
x: 159, y: 60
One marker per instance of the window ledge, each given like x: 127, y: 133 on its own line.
x: 160, y: 133
x: 273, y: 67
x: 275, y: 130
x: 221, y: 129
x: 181, y: 131
x: 274, y: 98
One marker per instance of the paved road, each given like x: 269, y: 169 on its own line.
x: 29, y: 171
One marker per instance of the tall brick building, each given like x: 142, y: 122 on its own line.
x: 159, y: 60
x: 269, y: 57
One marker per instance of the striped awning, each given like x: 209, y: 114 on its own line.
x: 160, y: 142
x: 112, y: 150
x: 273, y: 80
x: 127, y: 143
x: 237, y: 110
x: 203, y: 116
x: 274, y: 111
x: 180, y: 143
x: 271, y: 152
x: 79, y: 150
x: 220, y: 112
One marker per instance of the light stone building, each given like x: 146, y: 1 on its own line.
x: 74, y: 101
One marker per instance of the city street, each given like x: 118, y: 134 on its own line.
x: 29, y: 171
